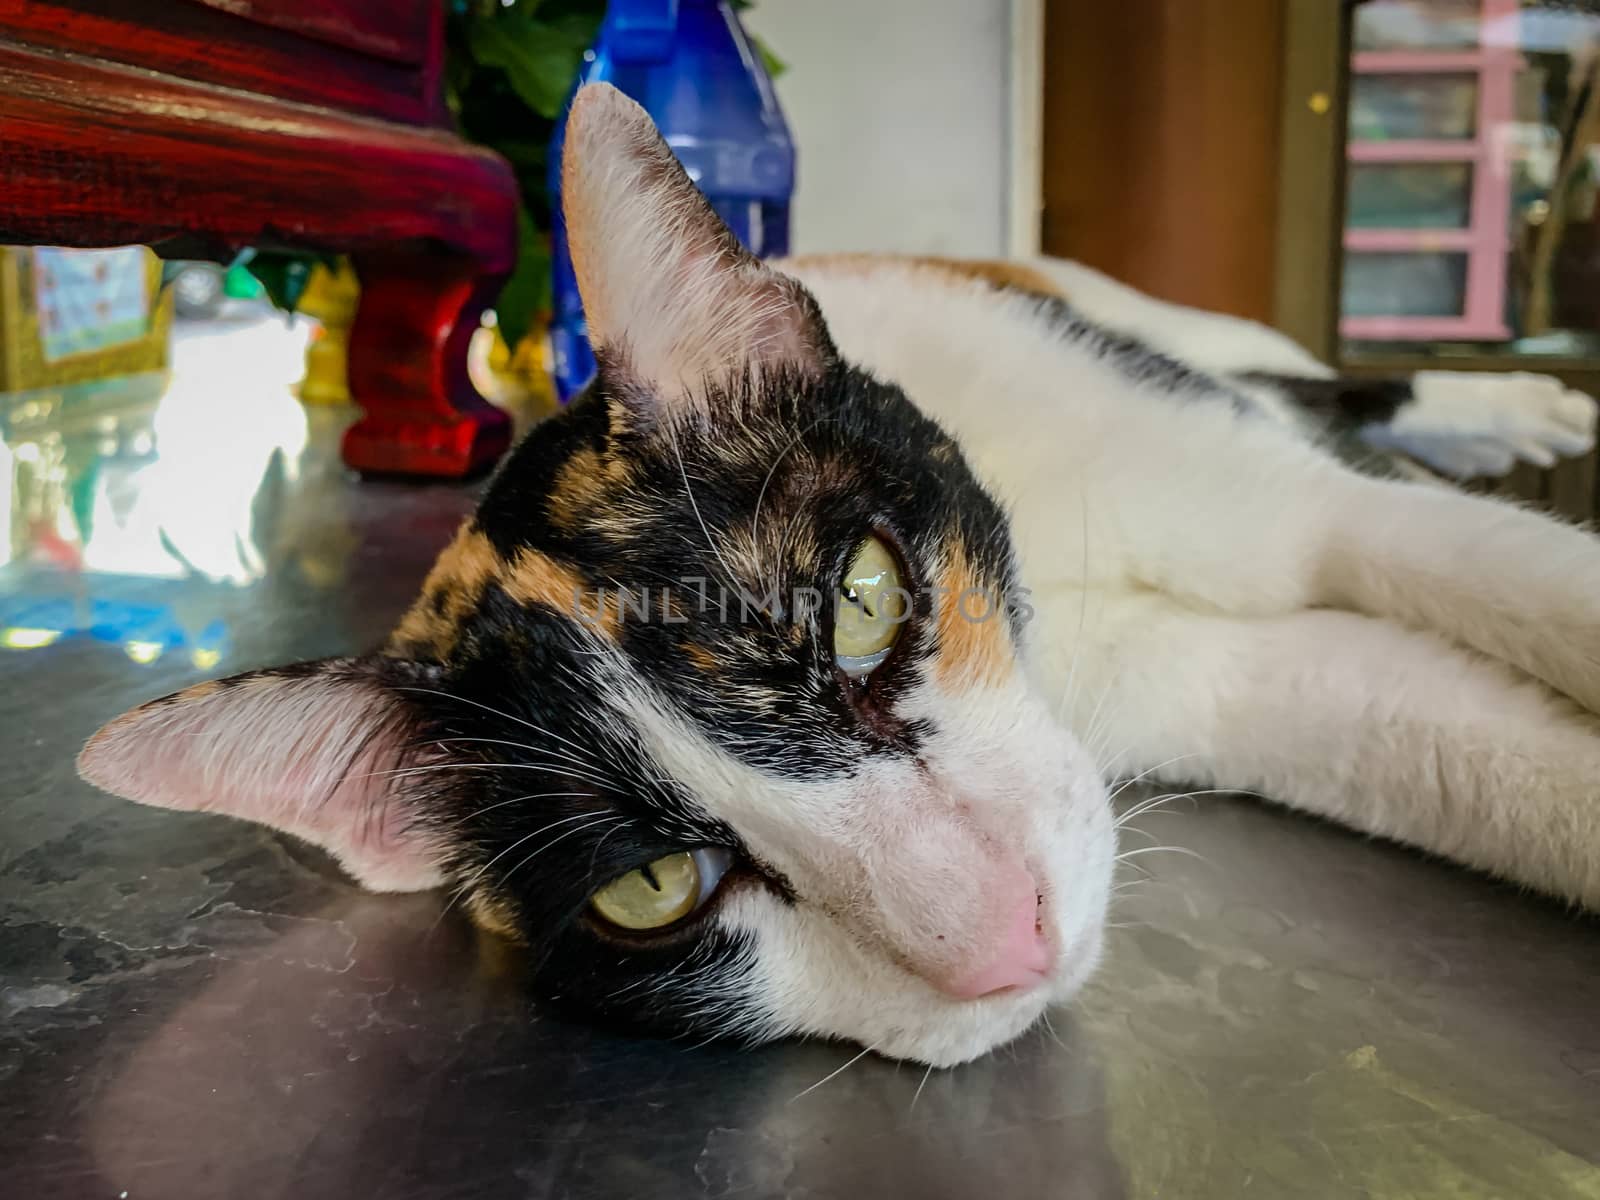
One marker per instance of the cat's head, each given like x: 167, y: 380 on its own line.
x: 660, y: 712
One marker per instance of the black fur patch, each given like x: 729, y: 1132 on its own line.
x: 1131, y: 357
x: 1343, y: 404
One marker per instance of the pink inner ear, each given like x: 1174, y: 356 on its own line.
x: 312, y: 754
x: 663, y: 280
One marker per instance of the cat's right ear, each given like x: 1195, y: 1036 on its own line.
x: 321, y: 750
x: 668, y: 292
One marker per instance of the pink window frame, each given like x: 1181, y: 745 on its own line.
x: 1486, y: 239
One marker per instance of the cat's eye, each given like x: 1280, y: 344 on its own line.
x: 872, y: 606
x: 663, y: 892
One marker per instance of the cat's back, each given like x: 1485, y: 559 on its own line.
x: 963, y: 338
x: 1003, y: 355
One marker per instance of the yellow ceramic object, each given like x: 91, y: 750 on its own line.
x: 331, y: 298
x: 520, y: 380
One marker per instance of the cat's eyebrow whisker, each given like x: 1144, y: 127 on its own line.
x: 553, y: 841
x: 478, y: 812
x: 552, y: 768
x: 831, y: 1074
x: 496, y: 712
x: 755, y: 522
x: 672, y: 436
x: 555, y: 752
x: 795, y: 521
x: 595, y: 856
x: 479, y: 873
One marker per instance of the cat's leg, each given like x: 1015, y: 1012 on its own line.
x: 1230, y: 515
x: 1514, y: 584
x: 1388, y: 730
x: 1465, y: 424
x: 1462, y: 423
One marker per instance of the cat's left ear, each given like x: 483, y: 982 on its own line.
x: 667, y: 288
x: 319, y: 750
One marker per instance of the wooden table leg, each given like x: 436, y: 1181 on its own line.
x: 408, y: 367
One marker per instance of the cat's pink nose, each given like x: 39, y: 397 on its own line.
x: 1022, y: 957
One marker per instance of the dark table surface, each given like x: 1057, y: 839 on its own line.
x: 192, y: 1007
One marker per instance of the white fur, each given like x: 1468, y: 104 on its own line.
x: 891, y: 863
x: 1193, y: 546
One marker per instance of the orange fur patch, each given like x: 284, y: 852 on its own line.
x: 582, y: 487
x: 536, y: 578
x: 996, y: 272
x: 467, y: 566
x: 450, y: 591
x: 974, y: 638
x: 492, y: 915
x: 701, y: 657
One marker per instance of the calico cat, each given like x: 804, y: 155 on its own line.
x: 774, y: 687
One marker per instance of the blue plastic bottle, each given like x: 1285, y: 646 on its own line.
x: 692, y: 67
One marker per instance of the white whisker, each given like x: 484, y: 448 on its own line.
x: 562, y: 838
x: 478, y: 812
x: 695, y: 504
x: 831, y: 1074
x: 1127, y: 854
x: 479, y: 873
x: 497, y: 712
x: 1145, y: 774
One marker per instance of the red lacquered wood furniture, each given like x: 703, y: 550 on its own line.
x: 203, y: 126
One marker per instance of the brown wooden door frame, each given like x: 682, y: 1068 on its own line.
x: 1311, y: 180
x: 1161, y: 145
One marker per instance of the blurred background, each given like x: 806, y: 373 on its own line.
x: 1395, y: 183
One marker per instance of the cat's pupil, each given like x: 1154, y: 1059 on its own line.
x: 650, y: 877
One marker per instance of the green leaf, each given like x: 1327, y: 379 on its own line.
x: 527, y: 291
x: 541, y: 59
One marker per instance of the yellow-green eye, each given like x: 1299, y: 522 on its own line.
x: 665, y: 891
x: 873, y: 604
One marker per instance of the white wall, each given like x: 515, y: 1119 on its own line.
x: 900, y: 109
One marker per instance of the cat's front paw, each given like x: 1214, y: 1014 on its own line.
x: 1471, y: 424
